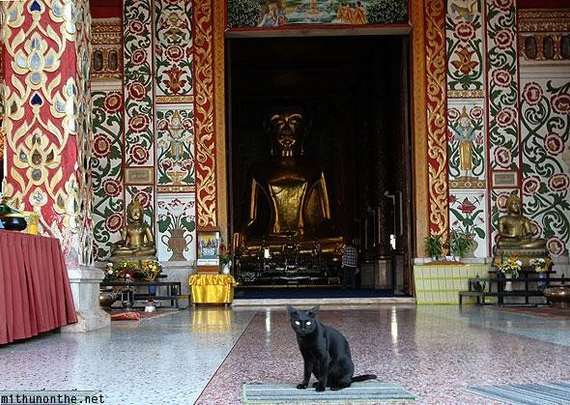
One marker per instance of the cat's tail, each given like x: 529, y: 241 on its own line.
x: 364, y: 377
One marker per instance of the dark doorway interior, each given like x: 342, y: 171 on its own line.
x: 354, y: 90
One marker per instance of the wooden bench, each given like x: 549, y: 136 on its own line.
x: 129, y: 294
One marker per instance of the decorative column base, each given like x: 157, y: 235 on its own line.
x: 85, y: 282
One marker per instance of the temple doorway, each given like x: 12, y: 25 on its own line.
x: 353, y: 91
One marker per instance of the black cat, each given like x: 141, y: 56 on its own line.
x: 325, y: 352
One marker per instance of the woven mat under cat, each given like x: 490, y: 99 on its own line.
x: 373, y: 391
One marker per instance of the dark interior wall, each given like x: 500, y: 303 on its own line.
x: 349, y: 88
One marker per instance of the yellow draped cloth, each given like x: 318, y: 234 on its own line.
x: 212, y: 288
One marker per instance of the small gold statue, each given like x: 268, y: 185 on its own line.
x: 136, y: 237
x: 515, y: 230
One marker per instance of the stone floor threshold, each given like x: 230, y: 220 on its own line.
x: 277, y: 302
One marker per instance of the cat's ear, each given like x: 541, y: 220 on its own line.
x: 313, y: 311
x: 291, y: 310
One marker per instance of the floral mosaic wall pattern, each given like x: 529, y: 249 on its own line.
x: 173, y: 49
x: 503, y: 91
x: 468, y: 214
x: 177, y: 227
x: 545, y: 125
x: 47, y: 120
x: 175, y: 149
x: 138, y: 79
x: 107, y: 170
x: 503, y: 85
x: 464, y: 47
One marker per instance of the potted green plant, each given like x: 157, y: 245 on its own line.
x: 459, y: 243
x: 434, y: 246
x: 225, y: 258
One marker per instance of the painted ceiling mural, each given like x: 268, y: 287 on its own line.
x: 282, y: 13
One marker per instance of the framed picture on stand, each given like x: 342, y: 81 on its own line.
x: 208, y: 250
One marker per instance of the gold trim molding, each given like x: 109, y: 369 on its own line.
x: 174, y: 99
x: 544, y: 20
x: 106, y: 31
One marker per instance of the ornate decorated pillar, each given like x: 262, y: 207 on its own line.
x: 204, y: 116
x: 48, y: 129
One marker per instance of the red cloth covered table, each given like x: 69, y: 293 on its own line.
x: 35, y: 295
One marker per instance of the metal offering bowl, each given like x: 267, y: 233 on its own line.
x: 14, y: 222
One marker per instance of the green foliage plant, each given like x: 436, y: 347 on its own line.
x: 459, y: 242
x: 434, y: 246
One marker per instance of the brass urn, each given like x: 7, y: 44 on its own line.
x: 558, y: 296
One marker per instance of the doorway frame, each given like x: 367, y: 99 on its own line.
x: 428, y: 115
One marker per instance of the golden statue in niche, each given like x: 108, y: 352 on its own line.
x: 516, y: 234
x: 292, y: 186
x: 137, y: 238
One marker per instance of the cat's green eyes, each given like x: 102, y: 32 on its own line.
x: 297, y: 323
x: 308, y: 323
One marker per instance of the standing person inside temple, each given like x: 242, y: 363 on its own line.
x: 349, y: 264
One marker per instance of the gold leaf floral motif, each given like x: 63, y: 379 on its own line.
x: 204, y: 114
x: 437, y: 147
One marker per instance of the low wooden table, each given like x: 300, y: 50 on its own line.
x: 212, y: 288
x: 129, y: 295
x: 494, y: 287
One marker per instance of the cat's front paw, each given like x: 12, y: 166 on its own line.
x: 301, y: 386
x: 320, y: 387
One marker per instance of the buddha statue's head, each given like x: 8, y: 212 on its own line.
x: 135, y: 211
x: 287, y: 128
x: 514, y: 203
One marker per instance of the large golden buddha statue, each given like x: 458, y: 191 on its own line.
x: 516, y: 234
x: 292, y: 186
x: 137, y: 239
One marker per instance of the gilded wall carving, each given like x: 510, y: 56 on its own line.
x: 206, y: 198
x: 436, y: 116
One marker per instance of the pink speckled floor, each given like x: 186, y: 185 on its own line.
x: 434, y: 352
x: 205, y: 354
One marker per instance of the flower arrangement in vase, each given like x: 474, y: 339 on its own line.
x: 542, y: 266
x: 510, y: 267
x: 146, y: 270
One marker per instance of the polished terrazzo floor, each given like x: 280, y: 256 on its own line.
x: 204, y: 355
